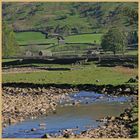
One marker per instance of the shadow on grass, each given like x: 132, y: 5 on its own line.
x: 126, y: 62
x: 108, y: 61
x: 92, y: 87
x: 39, y: 61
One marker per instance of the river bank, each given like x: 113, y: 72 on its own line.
x: 19, y: 104
x: 23, y: 103
x: 122, y: 89
x: 114, y: 127
x: 121, y: 126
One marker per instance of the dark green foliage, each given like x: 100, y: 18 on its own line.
x: 134, y: 130
x: 61, y: 17
x: 133, y: 39
x: 114, y: 40
x: 9, y: 45
x: 132, y: 14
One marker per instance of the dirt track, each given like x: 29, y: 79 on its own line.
x: 22, y: 70
x: 31, y: 69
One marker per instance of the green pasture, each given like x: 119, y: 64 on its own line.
x: 37, y: 37
x: 32, y: 38
x: 84, y: 38
x: 132, y: 52
x: 8, y: 60
x: 87, y: 74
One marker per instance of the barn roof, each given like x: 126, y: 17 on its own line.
x: 45, y: 52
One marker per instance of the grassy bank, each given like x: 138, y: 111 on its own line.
x: 88, y: 74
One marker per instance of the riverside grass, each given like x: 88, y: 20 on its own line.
x: 87, y: 74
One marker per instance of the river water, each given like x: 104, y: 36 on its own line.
x: 91, y: 106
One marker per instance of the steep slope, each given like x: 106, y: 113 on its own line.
x: 67, y: 18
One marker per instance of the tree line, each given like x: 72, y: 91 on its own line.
x: 9, y: 44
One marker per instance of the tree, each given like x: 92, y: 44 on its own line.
x: 114, y: 40
x: 9, y: 44
x: 133, y: 38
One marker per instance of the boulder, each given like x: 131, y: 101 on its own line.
x: 66, y: 135
x: 127, y: 90
x: 126, y: 118
x: 112, y: 118
x: 120, y: 90
x: 4, y: 125
x: 44, y: 90
x: 12, y: 121
x: 33, y: 129
x: 46, y: 136
x: 132, y: 80
x: 103, y: 90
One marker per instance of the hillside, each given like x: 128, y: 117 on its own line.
x: 68, y: 18
x: 82, y: 25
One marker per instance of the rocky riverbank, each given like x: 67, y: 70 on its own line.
x: 114, y: 127
x: 19, y: 104
x: 123, y: 89
x: 22, y: 100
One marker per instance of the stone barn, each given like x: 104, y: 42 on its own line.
x: 45, y: 53
x: 61, y: 40
x: 28, y: 53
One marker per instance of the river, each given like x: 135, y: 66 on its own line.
x: 80, y: 113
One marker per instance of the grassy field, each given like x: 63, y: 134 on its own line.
x: 79, y: 40
x: 85, y: 38
x: 37, y: 37
x: 86, y: 75
x: 8, y: 60
x: 32, y: 38
x: 132, y: 52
